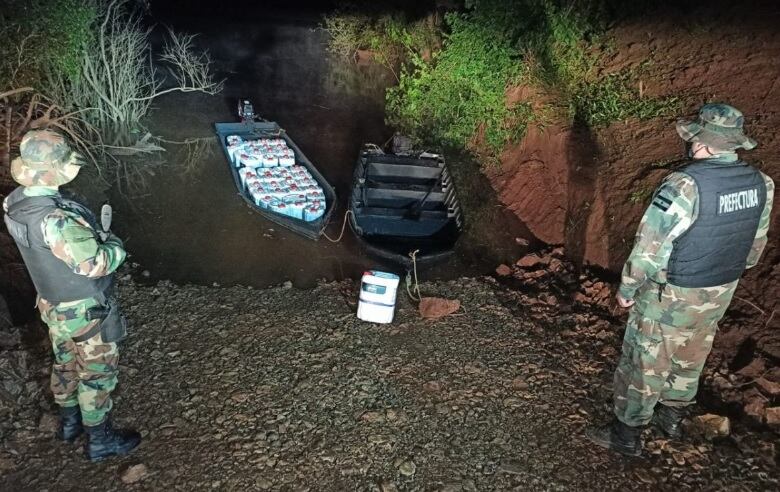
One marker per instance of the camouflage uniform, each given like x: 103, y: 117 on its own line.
x: 670, y: 329
x: 83, y: 373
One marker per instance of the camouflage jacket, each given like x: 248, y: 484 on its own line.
x: 644, y: 274
x: 73, y: 240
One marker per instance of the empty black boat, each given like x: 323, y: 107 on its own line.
x: 402, y: 204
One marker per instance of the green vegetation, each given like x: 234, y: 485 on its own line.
x: 460, y: 91
x: 86, y: 68
x: 640, y: 195
x: 617, y: 97
x: 387, y: 37
x: 458, y: 94
x: 41, y: 38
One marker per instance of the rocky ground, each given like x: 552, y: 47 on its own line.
x: 284, y: 389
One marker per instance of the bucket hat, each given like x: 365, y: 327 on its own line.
x: 719, y: 126
x: 44, y: 159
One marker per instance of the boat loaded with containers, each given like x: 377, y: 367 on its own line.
x: 403, y: 203
x: 273, y: 176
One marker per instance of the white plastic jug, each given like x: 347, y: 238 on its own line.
x: 377, y: 296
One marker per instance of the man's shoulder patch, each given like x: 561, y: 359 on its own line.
x: 664, y: 197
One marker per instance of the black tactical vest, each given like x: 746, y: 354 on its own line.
x: 714, y: 250
x: 52, y: 277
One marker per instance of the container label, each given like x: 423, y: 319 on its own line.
x: 374, y: 289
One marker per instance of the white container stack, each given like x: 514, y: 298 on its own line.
x: 268, y: 171
x: 377, y: 296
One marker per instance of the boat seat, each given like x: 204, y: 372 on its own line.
x: 376, y: 221
x: 401, y: 173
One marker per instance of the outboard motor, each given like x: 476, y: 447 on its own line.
x: 245, y: 111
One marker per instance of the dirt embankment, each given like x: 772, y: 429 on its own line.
x: 587, y: 188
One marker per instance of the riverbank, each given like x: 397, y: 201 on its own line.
x: 284, y: 389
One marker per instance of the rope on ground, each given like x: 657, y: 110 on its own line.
x: 343, y: 228
x: 418, y: 298
x: 751, y: 304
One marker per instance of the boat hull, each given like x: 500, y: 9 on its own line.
x: 404, y: 206
x: 253, y: 130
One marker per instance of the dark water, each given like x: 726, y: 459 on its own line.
x: 189, y: 225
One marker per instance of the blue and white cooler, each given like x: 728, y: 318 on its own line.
x: 378, y: 292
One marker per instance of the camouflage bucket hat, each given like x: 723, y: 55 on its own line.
x: 43, y: 161
x: 718, y: 126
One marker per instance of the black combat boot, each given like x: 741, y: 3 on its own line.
x: 104, y: 441
x: 617, y: 436
x: 70, y: 424
x: 669, y: 420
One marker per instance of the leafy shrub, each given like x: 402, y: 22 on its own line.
x: 616, y: 97
x: 347, y: 32
x: 462, y: 89
x: 43, y: 39
x: 387, y: 36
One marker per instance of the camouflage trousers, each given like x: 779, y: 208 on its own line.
x: 83, y: 373
x: 659, y: 363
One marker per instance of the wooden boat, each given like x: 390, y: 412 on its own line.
x: 252, y: 130
x: 402, y: 204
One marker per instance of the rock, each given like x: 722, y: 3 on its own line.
x: 720, y: 383
x: 432, y: 387
x: 756, y: 408
x: 711, y: 425
x: 468, y: 486
x: 407, y: 468
x: 6, y: 464
x: 511, y: 467
x: 146, y: 274
x: 534, y: 275
x: 678, y: 458
x: 134, y: 473
x: 49, y: 423
x: 287, y: 285
x: 581, y: 298
x: 768, y: 387
x: 528, y: 261
x: 521, y: 242
x: 773, y: 416
x: 263, y: 483
x: 520, y: 384
x: 503, y: 271
x: 372, y: 417
x: 754, y: 370
x: 388, y: 486
x: 556, y: 265
x: 239, y: 397
x: 435, y: 307
x: 454, y: 486
x: 644, y: 476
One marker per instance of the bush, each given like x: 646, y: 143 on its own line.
x: 460, y: 91
x: 42, y: 39
x: 387, y: 36
x: 617, y: 97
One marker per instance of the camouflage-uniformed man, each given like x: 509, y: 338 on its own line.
x: 72, y: 269
x: 706, y: 224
